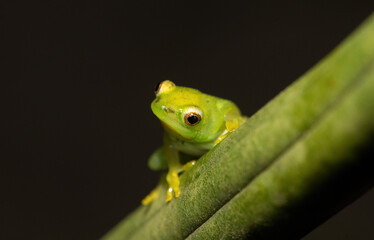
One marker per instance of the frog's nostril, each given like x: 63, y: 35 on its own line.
x: 157, y: 100
x: 168, y: 110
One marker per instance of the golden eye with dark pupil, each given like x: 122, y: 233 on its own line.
x: 192, y: 118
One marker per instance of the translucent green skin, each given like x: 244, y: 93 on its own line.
x: 180, y: 138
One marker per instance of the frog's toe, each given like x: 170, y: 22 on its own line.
x: 188, y: 165
x: 150, y: 197
x: 177, y: 192
x: 169, y: 194
x: 221, y: 138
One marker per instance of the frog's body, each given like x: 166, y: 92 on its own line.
x: 193, y: 122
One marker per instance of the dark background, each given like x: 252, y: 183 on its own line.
x: 78, y: 81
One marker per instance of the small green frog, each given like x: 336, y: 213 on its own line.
x: 194, y: 123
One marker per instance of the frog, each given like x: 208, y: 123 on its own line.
x: 193, y: 123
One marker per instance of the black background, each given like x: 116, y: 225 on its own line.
x: 78, y: 80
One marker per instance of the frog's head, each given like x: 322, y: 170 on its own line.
x: 187, y: 113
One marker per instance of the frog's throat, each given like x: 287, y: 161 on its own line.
x: 173, y: 132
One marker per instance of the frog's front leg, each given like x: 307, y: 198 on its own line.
x: 175, y: 167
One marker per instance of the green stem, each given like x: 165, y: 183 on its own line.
x: 256, y: 182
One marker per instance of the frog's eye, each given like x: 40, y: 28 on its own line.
x: 192, y: 116
x: 157, y: 88
x: 164, y: 86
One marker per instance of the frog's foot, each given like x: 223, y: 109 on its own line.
x: 230, y: 127
x: 188, y: 165
x: 151, y: 197
x: 172, y: 179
